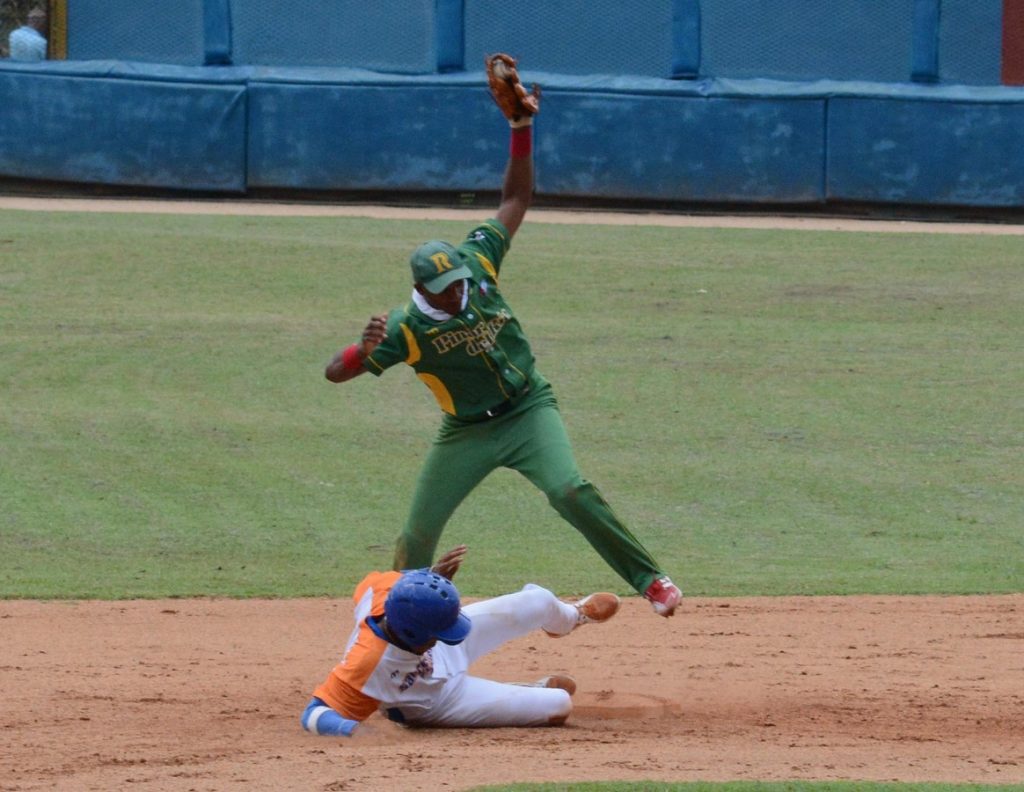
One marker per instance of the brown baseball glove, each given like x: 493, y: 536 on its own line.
x: 509, y: 93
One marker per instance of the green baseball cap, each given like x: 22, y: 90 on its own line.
x: 436, y: 264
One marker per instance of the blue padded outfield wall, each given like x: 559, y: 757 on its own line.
x: 787, y: 102
x: 96, y: 125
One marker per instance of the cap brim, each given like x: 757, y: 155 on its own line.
x: 443, y: 281
x: 457, y: 632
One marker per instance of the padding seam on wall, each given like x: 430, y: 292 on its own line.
x: 685, y: 39
x: 1013, y: 42
x: 926, y: 41
x: 449, y: 25
x: 217, y: 32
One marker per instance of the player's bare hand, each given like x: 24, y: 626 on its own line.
x: 374, y: 333
x: 448, y: 564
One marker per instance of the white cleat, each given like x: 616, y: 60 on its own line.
x: 593, y: 609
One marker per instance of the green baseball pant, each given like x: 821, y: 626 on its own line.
x: 532, y: 440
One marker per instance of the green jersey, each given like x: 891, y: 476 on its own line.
x: 476, y: 360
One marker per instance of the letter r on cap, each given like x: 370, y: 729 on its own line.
x: 441, y: 261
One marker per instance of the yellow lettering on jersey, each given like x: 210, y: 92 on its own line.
x: 444, y: 398
x: 478, y: 339
x: 442, y: 262
x: 414, y: 348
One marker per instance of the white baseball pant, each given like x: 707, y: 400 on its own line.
x: 468, y: 701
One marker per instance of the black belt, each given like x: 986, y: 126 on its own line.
x: 497, y: 411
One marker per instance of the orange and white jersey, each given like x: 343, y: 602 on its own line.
x: 375, y: 674
x: 434, y: 689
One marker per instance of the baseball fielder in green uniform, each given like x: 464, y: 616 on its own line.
x: 464, y: 342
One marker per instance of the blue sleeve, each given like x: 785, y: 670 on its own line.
x: 318, y: 718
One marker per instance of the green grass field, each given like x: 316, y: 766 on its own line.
x: 773, y: 412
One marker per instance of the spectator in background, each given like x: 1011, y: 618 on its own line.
x: 28, y: 43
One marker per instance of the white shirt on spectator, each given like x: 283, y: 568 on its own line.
x: 27, y: 44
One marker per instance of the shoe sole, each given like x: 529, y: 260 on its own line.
x: 559, y: 681
x: 599, y: 607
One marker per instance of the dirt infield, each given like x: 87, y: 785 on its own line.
x: 206, y: 694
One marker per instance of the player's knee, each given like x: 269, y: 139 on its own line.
x: 566, y: 496
x: 536, y: 606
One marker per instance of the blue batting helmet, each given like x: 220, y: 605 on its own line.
x: 422, y: 606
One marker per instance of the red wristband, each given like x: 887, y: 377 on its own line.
x: 522, y: 142
x: 351, y: 358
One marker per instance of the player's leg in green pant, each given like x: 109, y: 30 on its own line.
x: 538, y: 447
x: 455, y: 464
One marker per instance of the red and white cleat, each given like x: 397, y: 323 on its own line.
x: 664, y: 596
